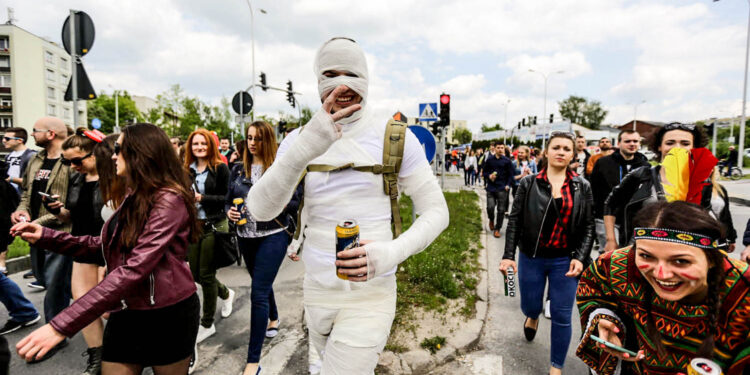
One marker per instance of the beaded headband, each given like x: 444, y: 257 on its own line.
x: 676, y: 236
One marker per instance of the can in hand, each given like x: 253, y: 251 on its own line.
x: 702, y: 366
x: 510, y: 282
x: 239, y: 205
x: 347, y: 237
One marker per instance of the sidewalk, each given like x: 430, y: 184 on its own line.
x: 739, y: 191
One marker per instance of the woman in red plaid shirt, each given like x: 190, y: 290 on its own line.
x: 553, y: 225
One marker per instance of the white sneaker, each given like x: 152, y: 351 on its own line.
x: 194, y: 360
x: 204, y: 333
x: 226, y: 308
x: 546, y: 310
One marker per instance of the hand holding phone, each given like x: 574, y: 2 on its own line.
x: 47, y: 197
x: 613, y: 346
x: 609, y: 342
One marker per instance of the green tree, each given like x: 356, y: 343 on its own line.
x: 462, y: 135
x: 580, y: 110
x: 486, y: 128
x: 103, y: 108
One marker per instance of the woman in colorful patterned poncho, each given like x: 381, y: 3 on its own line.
x: 671, y: 297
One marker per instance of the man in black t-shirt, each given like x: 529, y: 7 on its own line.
x: 45, y: 174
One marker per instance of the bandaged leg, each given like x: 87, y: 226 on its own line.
x: 329, y: 329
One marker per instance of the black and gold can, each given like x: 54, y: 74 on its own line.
x: 347, y: 237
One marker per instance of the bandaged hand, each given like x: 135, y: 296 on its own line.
x: 354, y: 263
x: 321, y: 131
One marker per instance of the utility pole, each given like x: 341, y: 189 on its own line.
x: 74, y: 66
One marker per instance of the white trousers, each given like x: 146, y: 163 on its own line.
x: 338, y: 358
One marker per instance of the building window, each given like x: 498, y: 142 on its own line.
x: 4, y: 80
x: 51, y: 110
x: 4, y: 61
x: 5, y: 102
x: 51, y: 92
x: 49, y: 57
x: 66, y: 112
x: 64, y: 63
x: 4, y: 43
x: 50, y: 75
x: 64, y: 79
x: 6, y: 122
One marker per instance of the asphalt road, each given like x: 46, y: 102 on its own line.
x: 502, y: 348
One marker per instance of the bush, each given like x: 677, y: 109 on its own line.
x: 18, y: 248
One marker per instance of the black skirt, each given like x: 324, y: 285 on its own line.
x: 152, y: 337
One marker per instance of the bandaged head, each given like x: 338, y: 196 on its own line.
x: 345, y: 55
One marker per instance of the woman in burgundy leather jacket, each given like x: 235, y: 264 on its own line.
x: 148, y: 290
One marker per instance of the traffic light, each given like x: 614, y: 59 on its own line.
x: 289, y: 93
x: 551, y: 118
x: 282, y: 127
x: 523, y: 121
x: 435, y: 128
x: 534, y: 120
x: 263, y: 81
x: 709, y: 128
x: 519, y: 125
x: 445, y: 109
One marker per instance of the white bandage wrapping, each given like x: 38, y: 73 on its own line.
x: 342, y: 55
x: 430, y: 206
x: 271, y: 193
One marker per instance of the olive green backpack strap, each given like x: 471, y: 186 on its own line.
x: 393, y: 154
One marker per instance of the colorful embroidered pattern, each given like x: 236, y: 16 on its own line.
x: 676, y: 236
x: 613, y: 282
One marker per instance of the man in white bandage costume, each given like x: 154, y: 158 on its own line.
x: 349, y: 321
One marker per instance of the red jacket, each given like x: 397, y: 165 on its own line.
x: 153, y: 275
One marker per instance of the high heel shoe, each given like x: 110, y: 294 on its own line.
x: 529, y: 332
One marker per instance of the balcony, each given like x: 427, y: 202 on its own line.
x: 6, y: 108
x: 4, y: 51
x: 4, y: 90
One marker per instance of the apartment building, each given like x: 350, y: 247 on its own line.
x: 34, y: 74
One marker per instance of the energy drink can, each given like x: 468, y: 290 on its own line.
x: 510, y: 282
x: 347, y: 237
x: 239, y: 205
x: 702, y: 366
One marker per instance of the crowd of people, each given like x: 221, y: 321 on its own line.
x: 122, y: 227
x: 661, y: 290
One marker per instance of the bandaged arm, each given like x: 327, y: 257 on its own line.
x: 271, y: 193
x: 429, y: 205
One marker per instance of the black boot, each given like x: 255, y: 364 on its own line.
x: 94, y: 366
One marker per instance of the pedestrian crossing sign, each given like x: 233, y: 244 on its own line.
x: 428, y: 112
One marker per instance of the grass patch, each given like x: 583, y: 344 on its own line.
x: 18, y: 248
x: 448, y: 268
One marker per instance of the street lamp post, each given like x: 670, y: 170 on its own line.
x: 741, y: 153
x: 116, y: 94
x: 635, y: 113
x: 505, y: 122
x: 544, y: 114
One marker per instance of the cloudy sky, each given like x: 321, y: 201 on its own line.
x: 685, y: 58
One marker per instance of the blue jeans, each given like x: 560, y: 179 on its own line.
x: 19, y: 308
x: 533, y: 274
x: 58, y: 269
x: 263, y: 257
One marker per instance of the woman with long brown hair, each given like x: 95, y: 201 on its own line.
x: 210, y: 179
x: 148, y: 290
x: 263, y: 244
x: 553, y: 226
x: 670, y: 297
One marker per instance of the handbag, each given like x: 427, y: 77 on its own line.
x: 226, y: 251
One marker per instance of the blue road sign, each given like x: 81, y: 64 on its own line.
x: 428, y: 112
x: 426, y: 139
x: 96, y: 123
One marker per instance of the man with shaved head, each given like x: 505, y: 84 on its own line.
x: 45, y: 174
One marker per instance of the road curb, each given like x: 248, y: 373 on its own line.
x: 418, y: 362
x: 18, y: 264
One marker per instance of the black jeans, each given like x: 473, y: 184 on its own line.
x: 496, y: 207
x: 58, y: 269
x: 4, y: 356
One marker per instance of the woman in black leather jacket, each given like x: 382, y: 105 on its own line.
x: 644, y: 185
x: 552, y: 223
x: 210, y: 179
x: 263, y: 244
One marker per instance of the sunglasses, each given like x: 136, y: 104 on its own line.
x: 677, y: 125
x: 12, y: 138
x: 75, y: 161
x: 117, y: 148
